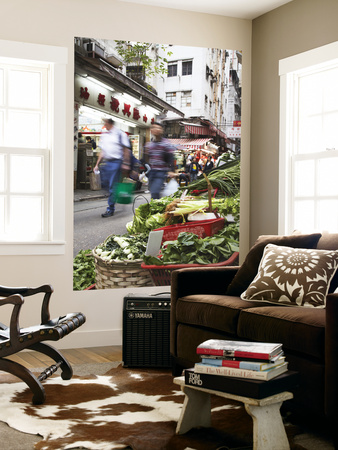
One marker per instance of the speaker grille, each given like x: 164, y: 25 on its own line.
x: 146, y: 332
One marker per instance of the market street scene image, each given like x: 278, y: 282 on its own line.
x: 157, y: 146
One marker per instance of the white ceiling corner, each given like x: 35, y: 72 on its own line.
x: 241, y: 9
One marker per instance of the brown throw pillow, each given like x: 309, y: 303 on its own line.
x: 293, y: 276
x: 249, y: 268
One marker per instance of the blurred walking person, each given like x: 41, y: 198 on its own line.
x: 114, y: 144
x: 160, y: 153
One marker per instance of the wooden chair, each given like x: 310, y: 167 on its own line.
x: 13, y: 339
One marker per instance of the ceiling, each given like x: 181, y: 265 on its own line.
x: 241, y: 9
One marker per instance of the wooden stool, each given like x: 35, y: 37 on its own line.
x: 268, y: 428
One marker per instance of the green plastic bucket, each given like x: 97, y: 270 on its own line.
x: 125, y: 193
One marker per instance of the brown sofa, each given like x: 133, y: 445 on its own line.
x: 206, y: 304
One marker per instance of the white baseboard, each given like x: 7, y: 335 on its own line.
x: 96, y: 338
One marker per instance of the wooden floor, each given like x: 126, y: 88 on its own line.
x: 32, y: 359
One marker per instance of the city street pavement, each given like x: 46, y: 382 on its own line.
x: 90, y: 229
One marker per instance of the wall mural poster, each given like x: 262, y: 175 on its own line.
x: 157, y: 144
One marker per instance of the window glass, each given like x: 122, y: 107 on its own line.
x: 172, y: 70
x: 31, y: 209
x: 330, y: 89
x: 304, y: 178
x: 171, y: 98
x: 327, y: 177
x: 23, y: 129
x: 318, y: 111
x: 2, y: 173
x: 1, y: 127
x: 1, y: 87
x: 2, y: 217
x: 304, y: 215
x: 26, y: 174
x: 24, y: 89
x: 328, y: 214
x: 330, y: 122
x: 186, y: 67
x: 186, y: 99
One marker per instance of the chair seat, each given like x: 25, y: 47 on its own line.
x: 14, y: 339
x: 53, y: 330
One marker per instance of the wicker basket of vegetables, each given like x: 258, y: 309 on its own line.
x: 118, y: 262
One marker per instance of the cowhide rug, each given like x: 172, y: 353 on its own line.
x: 126, y: 408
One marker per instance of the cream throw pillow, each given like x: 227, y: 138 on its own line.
x: 293, y: 276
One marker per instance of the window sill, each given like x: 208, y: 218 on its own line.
x: 29, y: 248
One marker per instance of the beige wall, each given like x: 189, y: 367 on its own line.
x: 56, y: 23
x: 298, y: 26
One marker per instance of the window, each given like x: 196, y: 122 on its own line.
x: 172, y: 69
x: 186, y: 99
x: 32, y: 149
x: 136, y: 72
x: 309, y: 142
x: 24, y: 154
x: 186, y: 67
x: 171, y: 98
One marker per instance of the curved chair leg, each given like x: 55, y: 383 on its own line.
x: 48, y: 350
x: 25, y: 375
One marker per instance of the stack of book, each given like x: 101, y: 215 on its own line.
x: 255, y: 369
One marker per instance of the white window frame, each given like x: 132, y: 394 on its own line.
x: 57, y: 59
x: 287, y: 69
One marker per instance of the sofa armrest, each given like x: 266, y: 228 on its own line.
x: 331, y: 356
x: 197, y: 280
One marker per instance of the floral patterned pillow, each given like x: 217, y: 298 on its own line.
x: 293, y: 276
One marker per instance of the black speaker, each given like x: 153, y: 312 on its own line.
x: 146, y: 330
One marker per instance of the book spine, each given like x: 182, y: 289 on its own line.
x: 204, y: 381
x: 237, y: 364
x: 209, y: 351
x: 221, y: 362
x: 231, y: 372
x: 231, y: 353
x: 239, y: 354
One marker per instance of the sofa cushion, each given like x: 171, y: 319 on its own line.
x: 329, y: 241
x: 219, y: 312
x: 249, y: 268
x: 293, y: 276
x: 301, y: 330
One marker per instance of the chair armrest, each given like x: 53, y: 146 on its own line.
x: 331, y: 356
x: 5, y: 291
x: 46, y: 289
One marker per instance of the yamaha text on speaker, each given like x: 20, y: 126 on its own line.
x: 146, y: 331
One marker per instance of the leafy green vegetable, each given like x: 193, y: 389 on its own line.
x: 190, y: 249
x: 123, y: 248
x: 83, y: 270
x: 230, y: 205
x: 155, y: 221
x: 226, y: 178
x: 146, y: 211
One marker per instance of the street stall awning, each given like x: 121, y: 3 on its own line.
x: 193, y: 128
x: 190, y: 144
x: 217, y: 131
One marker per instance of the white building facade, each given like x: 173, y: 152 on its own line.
x: 205, y: 84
